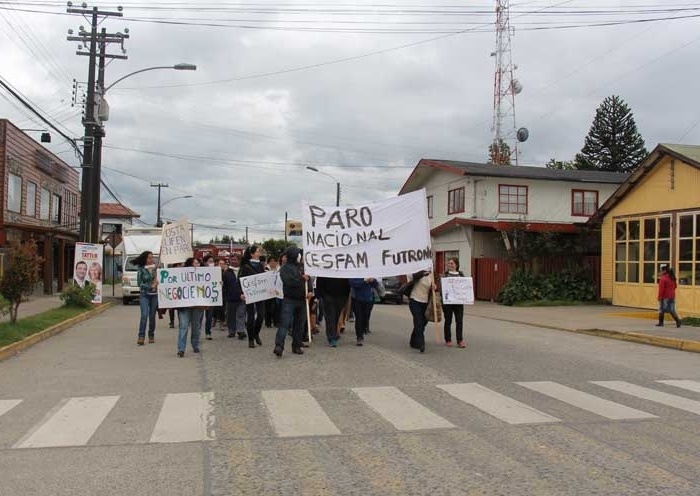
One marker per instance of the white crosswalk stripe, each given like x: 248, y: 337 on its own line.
x: 7, y: 405
x: 689, y: 385
x: 402, y: 411
x: 295, y: 413
x: 497, y: 405
x: 72, y: 423
x: 588, y: 402
x: 185, y: 417
x: 644, y: 393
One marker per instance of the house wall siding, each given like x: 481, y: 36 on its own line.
x: 670, y: 186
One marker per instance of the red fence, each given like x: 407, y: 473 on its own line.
x: 491, y: 274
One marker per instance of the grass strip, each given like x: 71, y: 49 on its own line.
x: 25, y: 327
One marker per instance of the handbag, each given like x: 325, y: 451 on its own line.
x: 433, y: 313
x: 406, y: 288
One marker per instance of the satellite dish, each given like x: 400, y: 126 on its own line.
x: 516, y: 86
x: 523, y: 134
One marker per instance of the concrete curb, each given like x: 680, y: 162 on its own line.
x: 29, y: 341
x: 634, y: 337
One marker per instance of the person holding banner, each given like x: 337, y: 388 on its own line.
x: 208, y: 312
x: 235, y: 306
x: 189, y: 316
x: 417, y: 304
x: 148, y: 297
x: 453, y: 309
x: 255, y: 312
x: 333, y: 293
x: 294, y: 303
x: 362, y: 302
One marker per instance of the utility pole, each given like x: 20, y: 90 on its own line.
x: 246, y: 234
x: 159, y: 221
x: 92, y: 141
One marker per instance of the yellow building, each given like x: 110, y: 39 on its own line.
x: 653, y: 219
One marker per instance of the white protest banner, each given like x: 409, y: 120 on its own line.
x: 278, y: 284
x: 88, y: 268
x: 175, y: 245
x: 379, y: 239
x: 259, y: 287
x: 457, y: 290
x: 189, y: 287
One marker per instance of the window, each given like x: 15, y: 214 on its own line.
x: 657, y: 246
x: 14, y: 193
x: 689, y: 249
x: 56, y: 209
x: 70, y: 210
x: 512, y: 199
x: 31, y: 199
x: 430, y: 207
x: 627, y: 251
x: 455, y: 201
x: 45, y: 207
x: 584, y: 203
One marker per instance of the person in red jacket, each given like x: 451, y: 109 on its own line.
x: 667, y: 296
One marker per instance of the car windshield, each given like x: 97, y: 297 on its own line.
x: 391, y: 281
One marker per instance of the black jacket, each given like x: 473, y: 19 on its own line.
x: 293, y: 284
x: 249, y: 269
x: 232, y: 286
x: 328, y: 287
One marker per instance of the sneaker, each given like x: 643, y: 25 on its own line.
x: 462, y: 344
x: 448, y: 344
x: 208, y: 337
x: 333, y: 343
x: 360, y: 342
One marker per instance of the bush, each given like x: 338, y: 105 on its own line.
x: 22, y: 271
x: 4, y: 306
x: 523, y: 285
x: 75, y: 296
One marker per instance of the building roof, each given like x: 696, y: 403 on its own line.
x: 516, y: 172
x: 690, y: 154
x: 116, y: 210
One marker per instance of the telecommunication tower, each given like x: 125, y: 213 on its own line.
x: 505, y: 87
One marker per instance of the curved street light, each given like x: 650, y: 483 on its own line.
x: 337, y: 183
x: 176, y: 67
x: 162, y: 206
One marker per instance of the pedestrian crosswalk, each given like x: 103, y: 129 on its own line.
x: 300, y: 413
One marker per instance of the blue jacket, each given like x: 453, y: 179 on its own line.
x: 362, y: 289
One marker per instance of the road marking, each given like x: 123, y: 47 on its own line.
x: 7, y: 405
x: 585, y: 401
x: 644, y: 393
x: 496, y: 404
x: 185, y: 417
x: 72, y: 424
x: 689, y: 385
x: 402, y: 411
x: 295, y: 413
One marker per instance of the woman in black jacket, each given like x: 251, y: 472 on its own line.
x: 255, y: 312
x: 235, y: 306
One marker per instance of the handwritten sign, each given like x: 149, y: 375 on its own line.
x: 378, y: 239
x: 180, y: 287
x: 457, y: 290
x: 176, y: 245
x: 259, y: 287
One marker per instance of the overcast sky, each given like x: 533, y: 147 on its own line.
x: 379, y: 85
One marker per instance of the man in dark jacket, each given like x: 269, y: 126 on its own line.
x: 235, y: 306
x: 333, y: 294
x: 295, y: 290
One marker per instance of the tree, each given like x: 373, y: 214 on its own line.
x: 561, y: 164
x: 276, y: 247
x: 613, y: 143
x: 21, y: 274
x: 499, y: 154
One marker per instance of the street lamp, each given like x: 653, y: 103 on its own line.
x: 161, y: 207
x: 92, y: 156
x: 337, y: 183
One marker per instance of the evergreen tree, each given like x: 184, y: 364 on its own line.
x: 613, y: 143
x: 561, y: 164
x: 499, y: 153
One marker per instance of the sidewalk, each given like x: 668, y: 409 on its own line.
x: 35, y: 305
x: 628, y: 324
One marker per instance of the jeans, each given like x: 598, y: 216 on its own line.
x: 419, y: 322
x: 187, y: 317
x: 149, y: 307
x: 208, y: 317
x: 235, y: 316
x: 458, y: 312
x: 668, y: 305
x: 362, y: 310
x: 255, y: 312
x: 293, y: 316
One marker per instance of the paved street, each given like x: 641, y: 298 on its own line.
x: 523, y: 410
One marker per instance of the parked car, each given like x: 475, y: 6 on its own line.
x: 392, y: 285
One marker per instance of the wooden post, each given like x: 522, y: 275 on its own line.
x: 308, y: 311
